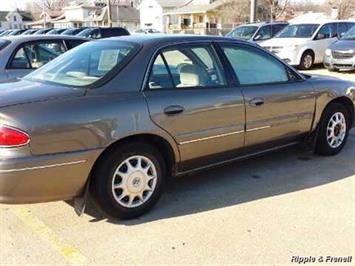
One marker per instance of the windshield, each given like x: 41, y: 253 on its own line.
x: 350, y: 34
x: 298, y: 31
x: 243, y: 32
x: 85, y: 64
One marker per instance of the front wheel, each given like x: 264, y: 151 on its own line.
x: 129, y: 180
x: 333, y: 130
x: 307, y: 60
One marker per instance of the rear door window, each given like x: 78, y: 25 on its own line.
x: 187, y: 67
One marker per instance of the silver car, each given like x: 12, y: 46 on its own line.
x: 341, y: 54
x: 20, y: 55
x: 119, y: 116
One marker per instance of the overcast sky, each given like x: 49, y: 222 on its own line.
x: 13, y: 4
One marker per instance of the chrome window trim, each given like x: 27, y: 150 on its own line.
x: 211, y: 137
x: 41, y: 167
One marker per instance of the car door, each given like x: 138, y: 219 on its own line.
x: 32, y: 55
x: 189, y: 96
x: 279, y: 103
x: 326, y: 35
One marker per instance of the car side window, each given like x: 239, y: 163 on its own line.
x: 74, y: 43
x: 342, y: 28
x: 328, y: 31
x: 187, y: 67
x: 40, y: 53
x: 20, y: 60
x: 275, y: 29
x: 253, y: 66
x: 159, y: 77
x: 264, y: 33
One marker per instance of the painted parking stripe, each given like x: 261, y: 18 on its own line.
x: 68, y: 251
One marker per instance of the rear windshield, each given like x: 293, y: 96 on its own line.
x: 3, y: 43
x: 85, y: 64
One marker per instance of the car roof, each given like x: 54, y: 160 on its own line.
x: 26, y: 38
x: 165, y: 39
x: 258, y: 24
x: 320, y: 22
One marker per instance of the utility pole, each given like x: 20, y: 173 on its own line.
x: 109, y: 18
x: 253, y: 4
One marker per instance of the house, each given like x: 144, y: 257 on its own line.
x: 14, y: 19
x: 91, y: 13
x: 152, y: 12
x: 197, y: 17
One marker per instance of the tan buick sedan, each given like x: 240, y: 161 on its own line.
x: 117, y: 117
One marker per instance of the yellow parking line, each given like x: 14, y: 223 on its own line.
x: 69, y: 252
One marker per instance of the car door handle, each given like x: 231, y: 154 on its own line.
x: 256, y: 102
x: 173, y: 109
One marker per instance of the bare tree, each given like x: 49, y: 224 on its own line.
x: 346, y: 8
x: 50, y: 5
x: 277, y: 7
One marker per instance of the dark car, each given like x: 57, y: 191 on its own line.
x: 98, y: 33
x: 341, y: 54
x: 5, y: 33
x: 30, y: 31
x: 55, y: 31
x: 72, y: 31
x: 17, y: 32
x: 117, y: 117
x: 42, y: 31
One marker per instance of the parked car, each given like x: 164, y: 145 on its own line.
x: 341, y: 54
x: 146, y: 31
x: 16, y: 32
x: 55, y: 31
x: 118, y: 116
x: 30, y: 31
x: 72, y: 31
x: 304, y: 44
x: 257, y: 32
x: 22, y: 54
x: 6, y: 32
x: 42, y: 31
x: 98, y: 33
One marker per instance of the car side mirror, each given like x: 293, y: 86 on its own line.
x: 257, y: 37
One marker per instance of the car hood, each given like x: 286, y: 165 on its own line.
x: 343, y: 45
x: 26, y: 91
x: 284, y: 42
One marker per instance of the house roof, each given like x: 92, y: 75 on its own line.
x: 191, y: 8
x: 172, y: 3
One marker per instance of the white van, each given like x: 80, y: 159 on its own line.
x: 303, y: 44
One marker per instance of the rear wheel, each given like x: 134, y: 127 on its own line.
x: 333, y: 130
x: 129, y: 180
x: 307, y: 60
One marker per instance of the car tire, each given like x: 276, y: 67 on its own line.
x: 134, y: 169
x: 307, y: 60
x: 333, y: 130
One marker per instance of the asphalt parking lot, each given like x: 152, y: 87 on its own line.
x: 265, y: 210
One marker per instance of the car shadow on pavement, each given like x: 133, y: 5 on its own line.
x: 278, y: 173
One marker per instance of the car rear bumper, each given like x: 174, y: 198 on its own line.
x: 45, y: 178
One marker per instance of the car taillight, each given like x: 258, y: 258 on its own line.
x: 12, y: 137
